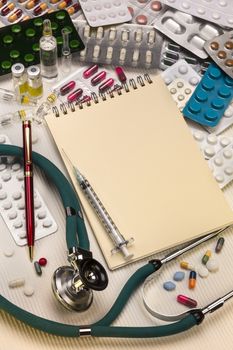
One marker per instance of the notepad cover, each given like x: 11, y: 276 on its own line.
x: 140, y: 157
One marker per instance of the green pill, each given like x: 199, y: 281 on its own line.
x: 30, y: 32
x: 36, y: 47
x: 74, y: 44
x: 60, y: 15
x: 16, y: 29
x: 69, y: 29
x: 38, y: 22
x: 59, y: 40
x: 6, y: 64
x: 14, y: 54
x: 8, y: 39
x: 29, y: 58
x: 54, y: 26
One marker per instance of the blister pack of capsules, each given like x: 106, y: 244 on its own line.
x: 225, y: 122
x: 144, y: 11
x: 220, y: 50
x: 12, y: 203
x: 128, y: 44
x: 217, y: 11
x: 222, y: 166
x: 181, y: 91
x: 172, y: 52
x: 105, y: 12
x: 29, y: 33
x: 182, y: 70
x: 210, y: 98
x: 186, y: 30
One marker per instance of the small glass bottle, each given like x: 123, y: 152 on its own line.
x: 66, y: 60
x: 48, y: 52
x: 20, y: 80
x: 35, y: 86
x: 45, y: 107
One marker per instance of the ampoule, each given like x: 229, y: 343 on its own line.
x: 20, y: 80
x: 48, y: 52
x: 66, y: 53
x: 44, y: 108
x: 8, y: 95
x: 11, y: 118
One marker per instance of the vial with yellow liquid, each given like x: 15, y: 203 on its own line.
x: 20, y: 80
x: 35, y: 86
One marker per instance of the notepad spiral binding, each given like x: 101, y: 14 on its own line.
x: 64, y: 108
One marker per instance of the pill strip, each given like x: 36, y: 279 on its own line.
x: 210, y: 98
x: 144, y: 13
x: 182, y: 70
x: 105, y: 12
x: 219, y: 12
x: 186, y: 30
x: 222, y: 166
x: 220, y: 50
x: 225, y: 122
x: 181, y: 92
x: 128, y: 44
x: 12, y: 204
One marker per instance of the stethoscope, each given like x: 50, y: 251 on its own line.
x: 73, y: 285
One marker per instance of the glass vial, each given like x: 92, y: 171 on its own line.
x: 35, y: 86
x: 45, y: 107
x: 66, y: 60
x: 20, y: 80
x: 48, y: 52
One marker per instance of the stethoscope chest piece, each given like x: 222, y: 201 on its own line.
x: 69, y: 289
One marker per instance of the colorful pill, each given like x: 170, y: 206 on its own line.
x: 42, y: 261
x: 2, y: 3
x: 169, y: 286
x: 37, y: 268
x: 39, y: 9
x: 25, y: 18
x: 106, y: 85
x: 67, y: 88
x: 74, y: 96
x: 178, y: 276
x: 31, y: 3
x: 73, y: 9
x: 219, y: 245
x: 186, y: 266
x: 54, y: 1
x: 17, y: 14
x: 212, y: 265
x: 90, y: 71
x: 64, y: 4
x: 192, y: 279
x: 98, y: 78
x: 182, y: 299
x: 7, y: 9
x: 120, y: 74
x: 206, y: 257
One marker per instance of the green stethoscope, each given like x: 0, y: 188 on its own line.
x: 84, y: 274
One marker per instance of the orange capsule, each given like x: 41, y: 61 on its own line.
x: 2, y: 3
x: 64, y: 4
x: 25, y: 18
x: 16, y: 15
x: 31, y: 3
x: 54, y: 1
x: 73, y: 9
x: 7, y: 9
x: 192, y: 279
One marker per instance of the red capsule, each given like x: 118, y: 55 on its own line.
x: 98, y: 78
x: 106, y: 85
x: 74, y: 96
x: 73, y: 9
x: 90, y: 71
x: 120, y: 74
x: 182, y: 299
x: 40, y: 8
x: 67, y: 88
x: 15, y: 15
x: 7, y: 9
x: 2, y: 3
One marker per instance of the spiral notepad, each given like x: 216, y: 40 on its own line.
x: 139, y: 156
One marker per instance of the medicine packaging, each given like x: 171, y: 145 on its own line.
x: 225, y: 122
x: 181, y: 91
x: 144, y: 12
x: 181, y: 69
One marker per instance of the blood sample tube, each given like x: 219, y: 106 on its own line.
x: 120, y: 74
x: 2, y: 3
x: 67, y: 88
x: 15, y: 15
x: 90, y: 71
x: 74, y: 96
x: 7, y: 9
x: 106, y: 85
x: 182, y: 299
x: 39, y: 9
x: 73, y: 9
x: 64, y: 4
x: 31, y: 3
x: 98, y: 78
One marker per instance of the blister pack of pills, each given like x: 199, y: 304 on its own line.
x: 225, y: 122
x: 210, y: 144
x: 210, y: 98
x: 128, y: 44
x: 172, y: 52
x: 220, y: 50
x: 181, y: 91
x: 11, y: 13
x: 217, y: 11
x: 222, y: 166
x: 144, y: 11
x: 105, y: 12
x: 181, y: 69
x: 186, y: 30
x: 12, y: 204
x: 73, y: 7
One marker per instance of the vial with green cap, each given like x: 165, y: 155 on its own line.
x: 48, y: 52
x: 20, y: 80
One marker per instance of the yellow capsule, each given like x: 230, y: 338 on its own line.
x: 206, y: 257
x: 31, y: 3
x: 185, y: 265
x: 16, y: 15
x: 64, y: 4
x: 25, y: 18
x: 53, y: 1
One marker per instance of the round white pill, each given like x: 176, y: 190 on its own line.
x: 228, y: 112
x: 180, y: 84
x: 7, y: 205
x: 21, y: 205
x: 19, y: 282
x: 201, y: 10
x: 209, y: 151
x: 37, y: 203
x: 183, y: 69
x: 219, y: 178
x: 198, y: 135
x: 16, y: 166
x: 187, y: 91
x: 20, y: 176
x: 218, y: 161
x: 12, y: 215
x: 3, y: 195
x: 47, y: 223
x: 224, y: 141
x: 28, y: 291
x: 18, y: 224
x: 8, y: 252
x: 212, y: 265
x: 41, y: 214
x: 2, y: 167
x: 202, y: 271
x: 173, y: 91
x: 180, y: 97
x: 227, y: 153
x: 6, y: 176
x: 228, y: 170
x: 17, y: 195
x: 22, y: 235
x: 2, y: 139
x: 212, y: 139
x: 193, y: 81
